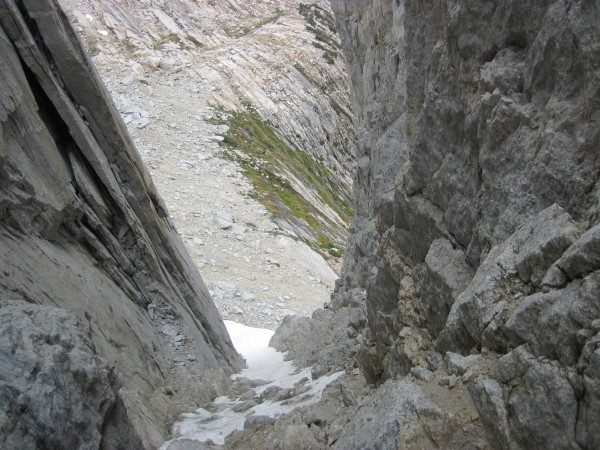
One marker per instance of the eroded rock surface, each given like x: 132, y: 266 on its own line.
x: 83, y: 229
x: 56, y: 392
x: 478, y: 165
x: 476, y: 233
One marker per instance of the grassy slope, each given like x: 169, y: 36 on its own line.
x: 266, y: 158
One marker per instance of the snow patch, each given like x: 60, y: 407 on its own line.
x: 264, y: 363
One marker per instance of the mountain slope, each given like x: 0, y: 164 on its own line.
x: 277, y: 63
x: 86, y: 250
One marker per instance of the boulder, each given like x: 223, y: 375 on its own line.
x: 399, y: 415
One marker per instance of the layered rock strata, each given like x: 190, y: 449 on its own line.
x: 83, y: 230
x: 477, y: 184
x: 272, y: 71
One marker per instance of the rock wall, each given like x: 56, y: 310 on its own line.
x: 477, y: 199
x: 83, y: 230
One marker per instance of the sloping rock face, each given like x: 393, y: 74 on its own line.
x: 266, y: 70
x: 477, y: 188
x: 56, y: 392
x: 82, y: 229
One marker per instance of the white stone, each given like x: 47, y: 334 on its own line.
x: 248, y: 296
x: 128, y: 80
x: 168, y: 330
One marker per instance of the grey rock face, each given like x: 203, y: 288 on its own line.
x: 83, y: 228
x: 490, y: 400
x: 478, y: 168
x: 457, y: 364
x: 588, y: 434
x: 445, y: 274
x: 401, y: 415
x: 327, y: 340
x: 583, y: 256
x: 542, y: 404
x: 500, y: 281
x: 55, y: 392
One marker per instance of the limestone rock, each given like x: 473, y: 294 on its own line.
x: 458, y: 364
x: 588, y: 434
x: 483, y: 307
x: 399, y: 416
x: 83, y: 228
x: 543, y: 404
x: 536, y: 253
x: 478, y: 203
x: 299, y: 436
x: 446, y: 274
x: 54, y: 389
x: 321, y: 340
x: 490, y: 400
x: 583, y: 256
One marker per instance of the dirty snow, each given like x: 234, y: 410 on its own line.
x: 264, y: 363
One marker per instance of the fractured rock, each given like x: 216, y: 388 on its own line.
x: 82, y: 226
x: 54, y: 388
x: 398, y: 416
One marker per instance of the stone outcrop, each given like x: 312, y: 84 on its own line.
x: 83, y: 230
x: 477, y: 188
x: 476, y: 237
x: 56, y: 392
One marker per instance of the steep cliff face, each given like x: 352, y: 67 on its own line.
x: 477, y: 188
x: 83, y: 229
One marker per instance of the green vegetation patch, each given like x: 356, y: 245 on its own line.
x: 249, y: 29
x: 169, y: 38
x: 265, y: 158
x: 322, y: 24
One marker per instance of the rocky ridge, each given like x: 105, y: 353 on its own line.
x: 95, y: 279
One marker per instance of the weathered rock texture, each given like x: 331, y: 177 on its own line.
x: 55, y: 391
x: 277, y: 61
x: 82, y: 229
x: 477, y: 187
